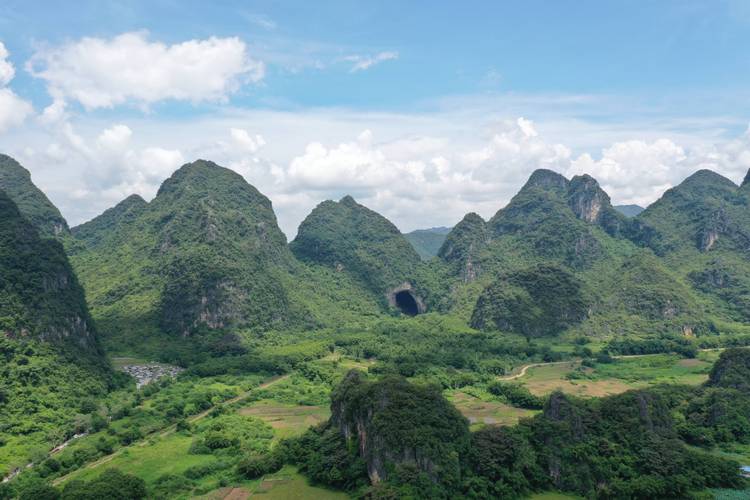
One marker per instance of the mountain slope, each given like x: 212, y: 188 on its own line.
x: 40, y: 297
x: 704, y: 211
x: 32, y: 203
x: 563, y: 233
x: 204, y: 255
x: 353, y: 239
x: 91, y: 233
x: 629, y: 210
x: 702, y: 229
x: 50, y: 357
x: 427, y: 242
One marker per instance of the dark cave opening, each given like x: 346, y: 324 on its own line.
x: 406, y: 302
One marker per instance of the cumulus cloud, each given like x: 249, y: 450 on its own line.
x: 639, y: 172
x: 102, y: 73
x: 426, y: 175
x: 13, y: 109
x: 636, y: 171
x: 418, y: 171
x: 245, y: 141
x: 7, y: 71
x: 363, y: 62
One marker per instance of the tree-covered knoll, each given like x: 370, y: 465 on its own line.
x: 351, y: 238
x: 32, y: 203
x: 542, y: 300
x: 92, y: 233
x: 705, y: 212
x: 629, y: 446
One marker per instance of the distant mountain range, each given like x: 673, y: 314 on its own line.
x: 184, y: 274
x: 629, y: 210
x: 427, y: 242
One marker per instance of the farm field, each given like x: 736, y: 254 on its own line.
x: 287, y: 484
x: 622, y: 374
x: 286, y: 419
x: 150, y: 460
x: 481, y: 412
x: 284, y: 407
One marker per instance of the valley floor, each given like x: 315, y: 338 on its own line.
x: 287, y: 405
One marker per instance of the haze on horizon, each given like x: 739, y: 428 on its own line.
x: 418, y: 116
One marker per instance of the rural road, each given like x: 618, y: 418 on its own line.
x: 524, y: 368
x: 533, y: 365
x: 171, y: 428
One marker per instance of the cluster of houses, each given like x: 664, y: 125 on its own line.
x: 147, y: 373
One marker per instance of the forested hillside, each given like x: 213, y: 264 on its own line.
x: 50, y: 357
x: 559, y: 317
x: 33, y: 204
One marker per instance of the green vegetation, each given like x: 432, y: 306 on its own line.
x: 630, y: 445
x: 34, y: 205
x: 427, y: 242
x: 579, y: 330
x: 543, y: 300
x: 51, y: 363
x: 351, y: 238
x: 39, y: 294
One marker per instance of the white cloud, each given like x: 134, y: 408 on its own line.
x: 7, y: 71
x: 366, y: 62
x: 115, y: 138
x: 245, y: 141
x: 102, y: 73
x: 13, y: 109
x: 419, y: 170
x: 636, y: 171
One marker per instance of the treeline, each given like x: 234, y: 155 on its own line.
x: 427, y: 344
x: 630, y: 446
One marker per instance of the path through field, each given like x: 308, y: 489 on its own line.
x: 171, y: 428
x: 524, y: 368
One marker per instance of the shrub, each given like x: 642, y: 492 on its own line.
x: 516, y: 395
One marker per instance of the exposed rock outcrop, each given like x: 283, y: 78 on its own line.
x: 463, y: 244
x: 39, y: 293
x: 395, y: 423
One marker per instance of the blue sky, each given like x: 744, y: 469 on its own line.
x: 316, y: 99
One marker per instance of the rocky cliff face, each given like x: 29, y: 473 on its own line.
x: 40, y: 297
x: 732, y: 370
x: 205, y: 254
x: 396, y: 424
x: 463, y: 245
x: 591, y: 204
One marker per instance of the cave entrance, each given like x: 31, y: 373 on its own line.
x: 406, y: 303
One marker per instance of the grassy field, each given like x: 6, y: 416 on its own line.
x: 480, y: 412
x: 619, y: 376
x: 168, y: 455
x: 287, y: 420
x: 287, y: 484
